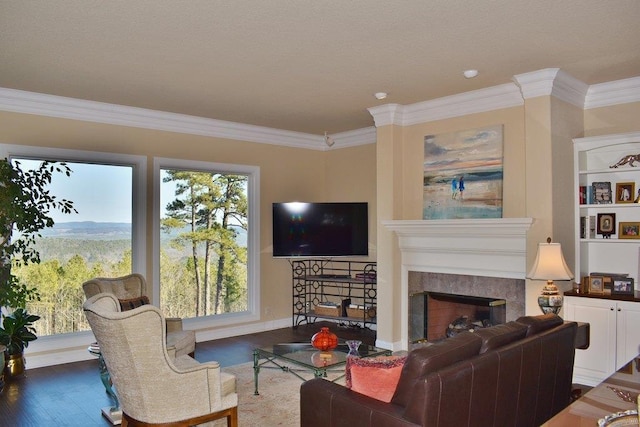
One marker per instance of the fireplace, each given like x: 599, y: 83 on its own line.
x: 434, y: 316
x: 483, y: 258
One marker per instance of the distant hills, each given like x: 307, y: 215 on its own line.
x: 89, y: 230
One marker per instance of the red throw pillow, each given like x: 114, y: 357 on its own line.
x: 375, y: 377
x: 131, y: 303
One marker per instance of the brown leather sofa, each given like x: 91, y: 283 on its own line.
x: 515, y: 374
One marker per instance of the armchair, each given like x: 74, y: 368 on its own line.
x: 155, y: 389
x: 129, y: 290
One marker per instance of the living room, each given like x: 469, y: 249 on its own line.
x: 541, y: 111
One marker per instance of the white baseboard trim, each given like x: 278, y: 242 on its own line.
x: 46, y: 355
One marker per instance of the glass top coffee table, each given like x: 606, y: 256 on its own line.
x: 300, y: 358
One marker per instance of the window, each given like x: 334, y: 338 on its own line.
x: 101, y: 239
x: 206, y: 227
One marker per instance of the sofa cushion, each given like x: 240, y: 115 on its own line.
x: 537, y: 324
x: 425, y: 360
x: 375, y: 377
x: 499, y: 335
x: 131, y: 303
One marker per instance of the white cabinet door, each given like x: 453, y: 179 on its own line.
x: 598, y: 361
x: 628, y: 332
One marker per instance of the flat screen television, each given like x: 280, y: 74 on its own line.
x: 320, y: 229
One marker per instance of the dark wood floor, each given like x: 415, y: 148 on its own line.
x: 72, y: 394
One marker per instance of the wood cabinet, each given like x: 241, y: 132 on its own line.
x: 614, y: 335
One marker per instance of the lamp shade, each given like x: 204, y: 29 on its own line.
x: 550, y: 264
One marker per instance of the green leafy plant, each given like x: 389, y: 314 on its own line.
x: 25, y: 205
x: 17, y: 331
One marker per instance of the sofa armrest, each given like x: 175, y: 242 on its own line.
x: 327, y: 404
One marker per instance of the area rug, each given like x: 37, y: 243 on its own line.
x: 278, y: 403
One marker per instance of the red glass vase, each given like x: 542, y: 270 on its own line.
x: 324, y: 340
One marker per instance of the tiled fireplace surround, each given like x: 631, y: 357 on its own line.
x: 478, y: 257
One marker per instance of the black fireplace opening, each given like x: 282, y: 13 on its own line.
x: 434, y: 315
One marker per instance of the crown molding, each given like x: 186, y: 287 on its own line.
x: 613, y: 93
x: 477, y: 101
x: 354, y: 138
x: 547, y: 82
x: 552, y: 82
x: 91, y: 111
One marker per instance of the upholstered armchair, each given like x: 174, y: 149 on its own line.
x: 131, y: 292
x: 154, y: 388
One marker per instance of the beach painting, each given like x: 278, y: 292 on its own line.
x: 463, y: 174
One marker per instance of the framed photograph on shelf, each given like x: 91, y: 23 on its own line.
x: 623, y: 286
x: 606, y: 224
x: 601, y: 193
x: 596, y: 285
x: 625, y: 192
x: 629, y: 230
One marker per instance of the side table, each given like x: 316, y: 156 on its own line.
x: 112, y: 413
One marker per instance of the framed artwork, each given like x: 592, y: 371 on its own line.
x: 623, y: 286
x: 629, y: 230
x: 625, y: 192
x: 596, y: 285
x: 601, y: 193
x: 606, y: 224
x: 463, y: 174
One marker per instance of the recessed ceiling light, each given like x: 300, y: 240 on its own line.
x: 380, y: 95
x: 470, y: 73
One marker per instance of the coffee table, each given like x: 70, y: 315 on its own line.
x: 306, y: 359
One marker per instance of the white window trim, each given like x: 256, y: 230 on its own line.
x: 253, y: 237
x: 64, y: 348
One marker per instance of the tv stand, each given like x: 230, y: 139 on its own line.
x: 343, y: 291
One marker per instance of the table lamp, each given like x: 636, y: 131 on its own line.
x: 550, y: 265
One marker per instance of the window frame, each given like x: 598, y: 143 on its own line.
x: 58, y: 342
x: 253, y: 236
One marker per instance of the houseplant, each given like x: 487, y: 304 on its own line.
x: 16, y: 333
x: 25, y: 206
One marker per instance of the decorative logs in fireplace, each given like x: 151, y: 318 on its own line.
x: 463, y: 323
x: 435, y: 315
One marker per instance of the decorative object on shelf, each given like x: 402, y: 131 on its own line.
x: 623, y: 286
x: 582, y: 191
x: 353, y: 347
x: 324, y: 340
x: 601, y: 193
x: 625, y: 192
x: 596, y: 285
x: 629, y: 159
x: 606, y: 224
x: 629, y: 230
x: 550, y: 265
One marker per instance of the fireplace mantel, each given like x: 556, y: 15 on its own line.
x: 472, y: 247
x: 479, y: 247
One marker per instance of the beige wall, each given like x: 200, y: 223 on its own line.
x: 538, y: 179
x: 286, y: 174
x: 614, y: 119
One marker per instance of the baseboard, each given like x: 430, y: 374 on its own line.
x: 43, y: 352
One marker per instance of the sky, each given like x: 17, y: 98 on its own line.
x: 100, y: 193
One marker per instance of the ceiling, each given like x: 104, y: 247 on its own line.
x: 307, y: 66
